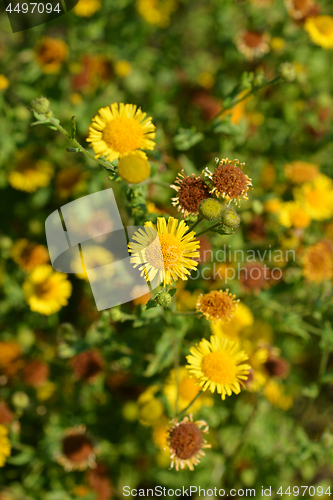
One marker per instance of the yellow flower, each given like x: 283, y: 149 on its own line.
x: 316, y: 197
x: 4, y: 83
x: 46, y: 391
x: 301, y: 171
x: 217, y: 305
x: 28, y: 254
x: 122, y: 68
x: 274, y: 392
x: 29, y: 175
x: 218, y: 365
x: 273, y: 206
x: 237, y: 112
x: 121, y: 129
x: 10, y: 354
x: 156, y: 11
x: 293, y: 215
x: 87, y: 8
x: 51, y: 53
x: 165, y: 251
x: 187, y: 391
x: 320, y: 29
x: 206, y: 79
x: 186, y: 300
x: 150, y: 408
x: 318, y: 262
x: 278, y: 44
x: 242, y: 318
x: 5, y: 448
x: 133, y: 169
x: 46, y: 291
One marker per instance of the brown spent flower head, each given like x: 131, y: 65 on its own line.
x: 78, y: 452
x: 191, y: 190
x: 229, y: 180
x: 252, y: 44
x: 186, y: 442
x: 99, y: 482
x: 276, y: 366
x: 217, y: 305
x: 87, y: 365
x: 255, y: 277
x: 318, y: 262
x: 6, y: 415
x: 36, y: 373
x: 301, y: 9
x: 28, y: 254
x: 10, y: 357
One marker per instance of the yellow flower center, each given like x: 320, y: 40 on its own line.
x: 164, y: 252
x: 123, y: 135
x: 187, y: 389
x: 44, y: 290
x: 219, y: 367
x: 325, y: 26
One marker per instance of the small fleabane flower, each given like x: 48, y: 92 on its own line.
x: 320, y: 29
x: 186, y: 442
x: 87, y: 8
x: 299, y: 9
x: 229, y: 180
x: 51, y: 53
x: 217, y: 305
x: 293, y: 215
x: 29, y: 174
x: 316, y: 197
x: 252, y: 44
x: 28, y: 254
x: 318, y: 262
x: 299, y: 171
x: 219, y: 365
x: 133, y: 169
x: 78, y: 452
x: 121, y: 129
x: 191, y: 190
x: 210, y: 209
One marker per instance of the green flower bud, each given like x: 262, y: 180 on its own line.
x: 210, y: 209
x: 41, y: 105
x: 20, y: 400
x: 230, y: 218
x: 287, y: 71
x: 164, y: 299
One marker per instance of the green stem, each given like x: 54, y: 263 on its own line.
x: 191, y: 403
x: 209, y: 229
x: 323, y: 364
x: 187, y: 313
x: 81, y: 149
x: 200, y: 219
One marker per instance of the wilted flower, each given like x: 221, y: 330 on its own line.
x: 217, y: 305
x: 191, y: 190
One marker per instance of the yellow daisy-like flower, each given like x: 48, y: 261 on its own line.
x: 218, y: 365
x: 241, y: 319
x: 121, y: 129
x: 293, y: 215
x: 156, y: 12
x: 316, y: 197
x: 28, y: 254
x: 122, y: 68
x: 273, y: 206
x: 299, y: 171
x: 217, y: 305
x: 320, y: 29
x: 186, y: 442
x: 29, y: 175
x: 46, y: 291
x: 5, y: 448
x: 87, y: 8
x: 318, y: 262
x: 274, y: 392
x: 4, y: 83
x: 51, y: 53
x: 187, y: 391
x: 166, y: 251
x: 150, y: 408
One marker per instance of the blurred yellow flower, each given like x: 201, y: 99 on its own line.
x: 133, y: 169
x: 318, y: 262
x: 29, y: 174
x: 122, y: 68
x: 274, y: 392
x: 217, y: 306
x: 278, y: 44
x: 273, y: 205
x: 87, y: 8
x: 242, y: 318
x: 121, y: 129
x: 237, y: 112
x: 293, y: 215
x: 51, y: 53
x: 28, y: 254
x: 206, y: 79
x: 46, y: 391
x: 187, y: 391
x: 320, y: 29
x: 10, y: 353
x: 5, y: 448
x: 316, y: 197
x: 301, y: 171
x: 150, y: 408
x: 156, y: 12
x: 46, y: 291
x: 4, y: 83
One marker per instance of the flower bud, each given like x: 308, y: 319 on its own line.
x: 230, y: 218
x: 210, y: 209
x: 287, y: 71
x: 41, y: 105
x: 164, y: 299
x: 20, y: 400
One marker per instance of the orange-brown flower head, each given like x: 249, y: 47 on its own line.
x: 6, y: 415
x: 28, y: 254
x: 36, y: 373
x: 229, y: 180
x: 99, y: 482
x: 252, y: 44
x: 318, y: 262
x: 276, y: 366
x: 301, y: 9
x: 191, y: 190
x: 217, y: 305
x: 186, y: 442
x: 78, y: 452
x: 87, y: 365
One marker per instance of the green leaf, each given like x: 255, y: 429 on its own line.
x: 72, y: 128
x: 186, y: 138
x: 225, y: 127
